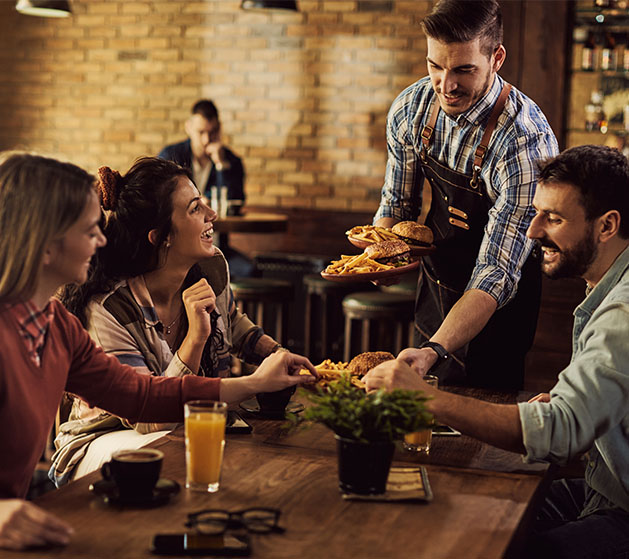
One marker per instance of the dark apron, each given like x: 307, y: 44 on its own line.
x: 457, y: 217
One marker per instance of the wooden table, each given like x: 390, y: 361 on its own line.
x: 482, y: 500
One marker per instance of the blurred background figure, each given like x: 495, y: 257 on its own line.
x: 212, y: 164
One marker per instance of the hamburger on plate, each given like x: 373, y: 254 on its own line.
x: 413, y: 234
x: 364, y: 362
x: 393, y: 253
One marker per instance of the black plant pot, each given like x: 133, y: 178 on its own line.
x: 363, y: 467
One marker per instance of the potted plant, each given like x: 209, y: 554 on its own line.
x: 366, y: 427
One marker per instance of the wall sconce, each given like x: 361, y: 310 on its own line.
x: 44, y: 8
x: 289, y: 5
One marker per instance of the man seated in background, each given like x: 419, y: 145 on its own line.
x: 582, y: 226
x: 212, y: 163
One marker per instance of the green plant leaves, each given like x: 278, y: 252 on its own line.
x: 377, y: 416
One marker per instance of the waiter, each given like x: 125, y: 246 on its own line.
x: 475, y: 138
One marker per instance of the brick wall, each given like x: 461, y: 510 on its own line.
x: 303, y: 96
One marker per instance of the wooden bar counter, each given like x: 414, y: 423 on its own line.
x: 483, y: 499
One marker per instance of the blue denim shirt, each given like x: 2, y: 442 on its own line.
x: 589, y: 406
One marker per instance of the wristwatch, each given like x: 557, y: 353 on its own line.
x: 442, y: 354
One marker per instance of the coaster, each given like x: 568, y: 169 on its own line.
x: 107, y: 490
x: 252, y: 406
x: 403, y: 484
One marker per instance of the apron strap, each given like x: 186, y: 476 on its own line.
x: 481, y: 149
x: 428, y: 129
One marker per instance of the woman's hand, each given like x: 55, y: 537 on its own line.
x: 23, y: 525
x: 279, y: 370
x: 199, y: 300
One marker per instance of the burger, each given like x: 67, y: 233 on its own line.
x: 364, y: 362
x: 393, y: 253
x: 413, y: 233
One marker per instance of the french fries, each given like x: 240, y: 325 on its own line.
x: 356, y: 264
x: 330, y: 371
x: 371, y: 233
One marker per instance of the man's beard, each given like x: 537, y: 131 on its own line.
x: 471, y: 97
x: 573, y: 262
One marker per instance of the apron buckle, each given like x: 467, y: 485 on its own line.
x: 474, y: 179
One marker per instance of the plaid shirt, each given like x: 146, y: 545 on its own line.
x: 33, y: 327
x: 521, y: 137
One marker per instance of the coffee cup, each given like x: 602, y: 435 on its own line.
x: 273, y: 404
x: 135, y: 472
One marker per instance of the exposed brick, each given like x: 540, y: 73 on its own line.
x: 303, y: 97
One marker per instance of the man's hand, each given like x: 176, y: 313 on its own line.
x: 216, y: 151
x: 393, y: 374
x: 543, y: 397
x: 24, y: 525
x: 420, y: 360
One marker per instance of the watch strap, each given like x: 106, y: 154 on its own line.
x: 442, y: 353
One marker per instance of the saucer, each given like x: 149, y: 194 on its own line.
x: 253, y: 407
x: 164, y: 490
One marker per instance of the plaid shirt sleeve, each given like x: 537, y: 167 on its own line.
x: 401, y: 193
x: 505, y: 247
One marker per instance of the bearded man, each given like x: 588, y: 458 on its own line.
x: 582, y: 227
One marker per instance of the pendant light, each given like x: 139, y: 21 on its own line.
x: 44, y: 8
x: 287, y: 5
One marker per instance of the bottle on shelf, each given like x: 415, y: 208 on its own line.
x: 603, y: 3
x: 587, y: 55
x: 608, y: 53
x: 595, y: 120
x: 625, y: 57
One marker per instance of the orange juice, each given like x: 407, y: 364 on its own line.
x: 205, y: 440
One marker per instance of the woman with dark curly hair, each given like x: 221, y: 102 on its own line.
x: 158, y: 298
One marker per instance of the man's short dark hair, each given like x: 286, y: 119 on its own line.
x: 461, y: 21
x: 206, y: 109
x: 600, y: 173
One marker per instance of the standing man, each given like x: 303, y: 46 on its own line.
x: 212, y: 163
x: 582, y: 226
x: 475, y: 139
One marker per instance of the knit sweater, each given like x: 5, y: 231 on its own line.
x: 30, y: 395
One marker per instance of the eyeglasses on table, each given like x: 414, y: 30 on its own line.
x: 259, y: 520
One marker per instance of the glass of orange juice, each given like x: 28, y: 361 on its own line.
x: 420, y: 441
x: 205, y: 441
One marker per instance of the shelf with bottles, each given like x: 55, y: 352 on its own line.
x: 602, y: 51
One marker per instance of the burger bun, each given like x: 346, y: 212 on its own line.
x: 364, y: 362
x: 413, y: 233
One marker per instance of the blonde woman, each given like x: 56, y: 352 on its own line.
x: 49, y: 231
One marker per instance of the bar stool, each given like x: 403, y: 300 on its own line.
x: 324, y: 316
x: 407, y: 284
x: 255, y: 296
x: 390, y: 312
